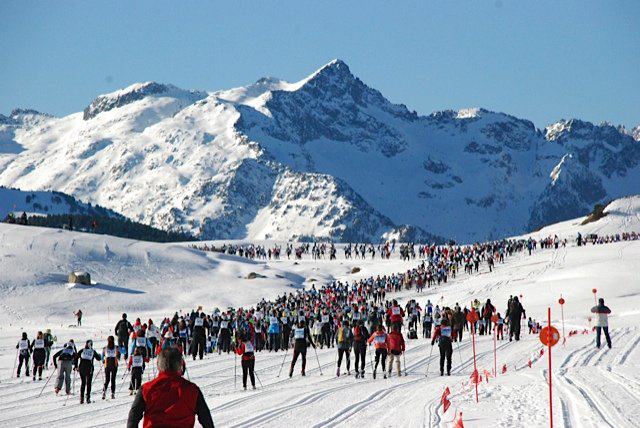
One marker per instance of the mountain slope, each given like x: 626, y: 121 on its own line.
x: 327, y: 156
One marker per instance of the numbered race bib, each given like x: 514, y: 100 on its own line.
x: 284, y: 320
x: 87, y: 354
x: 248, y: 347
x: 427, y: 318
x: 137, y: 361
x: 356, y: 316
x: 380, y: 339
x: 39, y: 344
x: 215, y: 323
x: 141, y: 342
x: 298, y: 333
x: 110, y: 353
x: 273, y: 320
x: 68, y: 351
x: 224, y: 324
x: 395, y: 310
x: 183, y: 333
x: 445, y: 331
x: 199, y: 322
x: 301, y: 318
x: 325, y: 319
x: 23, y: 345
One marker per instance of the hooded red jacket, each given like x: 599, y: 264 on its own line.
x: 169, y: 400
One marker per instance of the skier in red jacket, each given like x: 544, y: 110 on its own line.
x: 396, y: 348
x: 395, y: 314
x: 169, y: 400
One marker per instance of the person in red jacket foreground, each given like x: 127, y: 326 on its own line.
x: 396, y: 348
x: 445, y: 335
x: 169, y: 399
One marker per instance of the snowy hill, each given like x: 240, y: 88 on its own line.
x: 622, y: 215
x: 286, y: 160
x: 592, y: 388
x: 46, y: 203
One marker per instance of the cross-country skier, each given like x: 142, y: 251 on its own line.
x: 199, y: 329
x: 39, y: 355
x: 602, y: 322
x: 302, y: 339
x: 84, y: 362
x: 137, y: 366
x: 396, y: 348
x: 111, y: 355
x: 444, y: 335
x: 24, y: 353
x: 380, y: 341
x: 515, y: 313
x: 360, y: 335
x: 67, y: 362
x: 123, y: 329
x: 246, y: 350
x: 345, y: 341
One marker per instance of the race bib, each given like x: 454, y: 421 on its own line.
x: 141, y: 342
x: 110, y: 353
x: 356, y: 316
x: 137, y: 361
x: 395, y: 310
x: 273, y: 320
x: 248, y: 347
x: 68, y: 351
x: 199, y: 322
x: 224, y: 324
x: 183, y: 333
x: 325, y: 319
x: 39, y: 344
x: 215, y: 323
x: 380, y: 339
x: 445, y: 331
x: 301, y: 318
x: 87, y: 354
x: 427, y: 318
x: 284, y: 320
x: 298, y: 333
x: 23, y: 345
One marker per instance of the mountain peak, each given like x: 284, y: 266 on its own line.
x: 136, y: 92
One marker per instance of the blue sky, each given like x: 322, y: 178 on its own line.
x: 541, y: 60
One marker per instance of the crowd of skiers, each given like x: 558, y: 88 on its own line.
x: 346, y: 315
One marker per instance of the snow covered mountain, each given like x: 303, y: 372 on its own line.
x: 46, y: 203
x: 327, y: 156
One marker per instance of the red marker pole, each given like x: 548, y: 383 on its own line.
x: 494, y: 318
x: 561, y: 301
x: 473, y: 318
x: 550, y: 389
x: 595, y: 296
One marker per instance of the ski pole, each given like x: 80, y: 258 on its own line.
x: 97, y: 374
x: 13, y: 373
x: 186, y: 370
x: 235, y: 370
x: 429, y: 362
x: 73, y: 384
x: 459, y: 353
x: 47, y: 382
x: 258, y: 377
x: 283, y: 360
x: 122, y: 380
x: 404, y: 360
x: 370, y: 359
x: 317, y: 359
